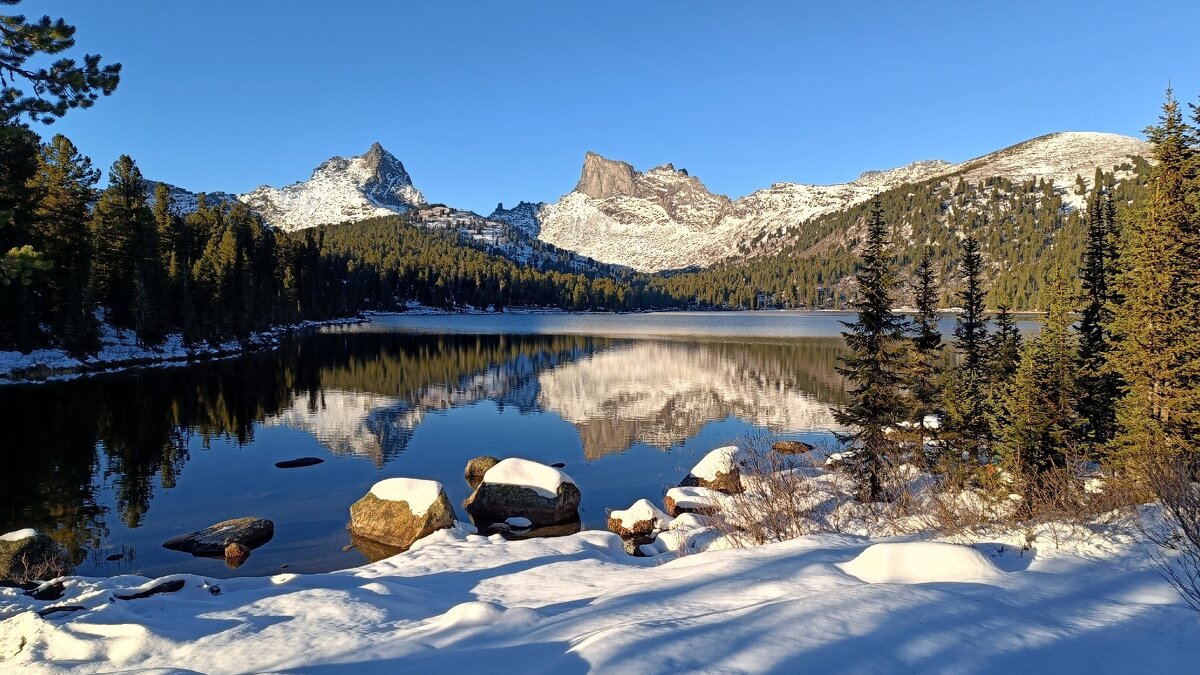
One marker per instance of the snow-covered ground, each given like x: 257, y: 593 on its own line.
x: 579, y: 603
x: 119, y: 349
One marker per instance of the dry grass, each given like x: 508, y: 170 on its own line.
x: 1176, y: 531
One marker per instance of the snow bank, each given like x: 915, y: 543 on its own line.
x: 540, y: 478
x: 716, y: 462
x: 18, y: 535
x: 920, y: 562
x: 641, y: 511
x: 420, y: 494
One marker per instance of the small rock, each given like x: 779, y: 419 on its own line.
x: 559, y: 465
x: 165, y: 587
x: 236, y: 554
x: 298, y: 462
x: 51, y: 590
x: 718, y: 470
x: 60, y: 608
x: 791, y: 447
x: 114, y: 557
x: 477, y: 467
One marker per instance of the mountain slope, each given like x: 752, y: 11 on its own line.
x: 665, y: 219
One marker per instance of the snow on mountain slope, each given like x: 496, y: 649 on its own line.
x: 666, y: 219
x: 340, y: 189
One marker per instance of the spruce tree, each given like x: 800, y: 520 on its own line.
x: 1099, y: 384
x: 925, y: 369
x: 63, y: 185
x: 874, y: 364
x: 1156, y: 350
x: 967, y: 397
x: 126, y: 267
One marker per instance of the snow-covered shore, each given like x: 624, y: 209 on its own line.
x: 579, y: 603
x: 119, y: 350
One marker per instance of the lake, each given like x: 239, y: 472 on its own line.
x: 114, y: 465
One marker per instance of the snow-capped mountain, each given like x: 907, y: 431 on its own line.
x: 665, y: 218
x: 372, y: 184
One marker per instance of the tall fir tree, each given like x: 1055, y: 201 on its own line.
x: 966, y: 399
x: 1156, y: 350
x: 1099, y: 384
x: 875, y: 362
x: 126, y: 267
x: 926, y: 361
x: 63, y: 189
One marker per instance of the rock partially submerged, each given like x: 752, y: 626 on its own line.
x: 399, y: 511
x: 717, y: 471
x: 299, y: 462
x: 522, y: 488
x: 27, y: 555
x: 212, y: 541
x: 477, y: 467
x: 791, y: 447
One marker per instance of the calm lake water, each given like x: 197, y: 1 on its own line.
x: 114, y: 465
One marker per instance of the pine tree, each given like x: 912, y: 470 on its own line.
x: 63, y: 185
x: 1099, y: 384
x: 1040, y: 402
x: 925, y: 369
x: 126, y: 266
x: 1156, y: 350
x: 874, y: 364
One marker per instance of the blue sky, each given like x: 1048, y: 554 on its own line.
x: 498, y: 101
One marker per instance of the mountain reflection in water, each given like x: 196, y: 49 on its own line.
x: 113, y: 465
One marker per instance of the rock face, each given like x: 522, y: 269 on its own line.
x: 521, y: 488
x: 477, y: 467
x: 791, y: 447
x: 398, y: 514
x: 717, y: 471
x: 602, y: 177
x: 213, y: 540
x: 27, y: 555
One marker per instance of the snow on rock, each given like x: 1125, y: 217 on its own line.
x: 642, y: 511
x: 542, y: 479
x: 692, y: 499
x: 921, y: 562
x: 18, y: 535
x: 420, y: 494
x: 717, y: 462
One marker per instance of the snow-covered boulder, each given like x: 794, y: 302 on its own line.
x: 214, y: 539
x: 477, y: 467
x: 399, y: 511
x: 717, y: 471
x: 26, y: 555
x: 692, y: 500
x: 638, y: 523
x: 518, y: 487
x: 791, y: 447
x: 920, y: 562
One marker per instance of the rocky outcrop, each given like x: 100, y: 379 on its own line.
x: 602, y: 177
x: 212, y: 541
x: 27, y: 555
x: 398, y: 512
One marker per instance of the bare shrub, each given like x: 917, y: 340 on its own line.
x: 1176, y: 528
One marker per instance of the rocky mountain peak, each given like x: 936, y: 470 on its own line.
x: 602, y: 177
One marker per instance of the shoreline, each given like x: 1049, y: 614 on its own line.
x: 120, y: 352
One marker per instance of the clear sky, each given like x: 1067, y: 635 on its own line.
x: 495, y: 101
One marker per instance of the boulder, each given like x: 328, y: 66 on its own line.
x: 717, y: 471
x: 791, y: 447
x: 639, y: 523
x: 703, y: 501
x: 477, y: 467
x: 235, y: 555
x: 212, y: 540
x: 399, y: 511
x: 26, y: 555
x: 521, y: 488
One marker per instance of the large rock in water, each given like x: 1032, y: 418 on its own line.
x: 212, y: 541
x: 521, y: 488
x: 28, y: 555
x: 717, y: 471
x: 399, y: 511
